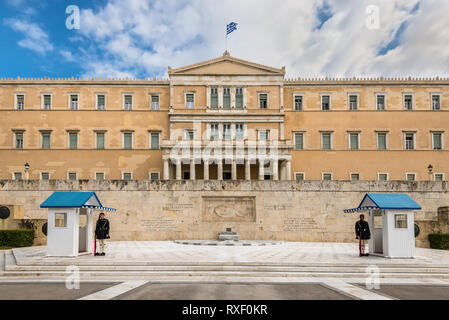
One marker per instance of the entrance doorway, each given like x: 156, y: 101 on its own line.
x: 83, y: 234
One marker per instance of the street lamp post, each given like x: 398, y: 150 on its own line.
x: 430, y: 169
x: 27, y: 167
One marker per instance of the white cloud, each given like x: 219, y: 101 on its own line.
x: 142, y: 37
x: 34, y: 39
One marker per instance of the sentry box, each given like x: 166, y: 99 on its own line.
x: 391, y: 220
x: 70, y: 222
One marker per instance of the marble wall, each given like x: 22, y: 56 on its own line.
x: 278, y: 210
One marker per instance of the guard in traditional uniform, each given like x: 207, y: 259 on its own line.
x: 101, y: 234
x: 362, y: 234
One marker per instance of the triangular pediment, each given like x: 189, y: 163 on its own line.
x: 226, y: 65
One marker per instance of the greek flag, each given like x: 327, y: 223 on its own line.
x: 231, y: 27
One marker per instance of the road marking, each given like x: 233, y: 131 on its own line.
x: 354, y: 291
x: 115, y: 291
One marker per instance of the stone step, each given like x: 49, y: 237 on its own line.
x: 215, y: 274
x: 10, y: 266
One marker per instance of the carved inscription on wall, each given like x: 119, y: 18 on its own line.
x: 229, y: 209
x: 300, y: 224
x: 159, y: 224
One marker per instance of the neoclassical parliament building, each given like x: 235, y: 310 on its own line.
x: 224, y: 119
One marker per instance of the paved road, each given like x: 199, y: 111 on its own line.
x: 211, y: 291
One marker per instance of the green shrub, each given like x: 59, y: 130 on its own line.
x: 439, y: 241
x: 16, y: 238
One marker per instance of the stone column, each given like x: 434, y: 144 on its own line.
x: 192, y: 169
x: 232, y: 97
x: 244, y: 97
x: 206, y: 170
x: 234, y: 169
x: 288, y: 170
x: 220, y: 97
x: 261, y: 169
x: 166, y: 173
x: 281, y: 129
x: 178, y: 169
x: 275, y: 169
x: 247, y: 169
x: 220, y: 169
x: 208, y: 97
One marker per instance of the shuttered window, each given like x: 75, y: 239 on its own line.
x: 73, y: 140
x: 46, y: 140
x: 190, y: 100
x: 100, y: 140
x: 127, y: 140
x: 154, y: 140
x: 437, y: 141
x: 326, y: 141
x: 128, y: 102
x: 299, y: 141
x: 226, y: 98
x: 354, y: 141
x: 382, y: 141
x: 47, y: 102
x: 239, y: 98
x: 20, y: 103
x: 101, y: 102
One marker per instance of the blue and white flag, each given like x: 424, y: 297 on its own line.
x: 231, y: 27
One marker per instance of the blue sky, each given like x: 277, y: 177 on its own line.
x: 141, y: 38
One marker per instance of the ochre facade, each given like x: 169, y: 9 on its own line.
x: 224, y: 119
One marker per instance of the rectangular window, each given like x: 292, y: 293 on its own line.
x: 189, y: 135
x: 325, y: 102
x: 18, y: 140
x: 353, y: 102
x: 437, y: 141
x: 226, y: 98
x: 298, y: 102
x: 154, y: 176
x: 73, y: 140
x: 46, y: 142
x: 409, y: 141
x: 382, y: 176
x: 214, y: 132
x: 154, y: 143
x: 100, y: 140
x: 239, y: 98
x: 400, y: 221
x: 20, y: 102
x: 355, y: 176
x: 327, y: 176
x: 128, y: 102
x: 99, y: 175
x: 127, y: 140
x: 264, y: 135
x: 408, y: 101
x: 60, y: 220
x: 299, y: 176
x: 263, y: 101
x: 47, y: 101
x: 380, y: 101
x: 73, y: 102
x: 299, y: 141
x: 17, y: 175
x: 239, y: 134
x: 45, y: 176
x: 190, y: 100
x: 381, y: 141
x: 410, y: 177
x: 436, y: 102
x: 72, y: 176
x: 227, y: 135
x: 326, y: 141
x: 127, y: 176
x: 154, y: 102
x: 101, y: 102
x: 439, y: 177
x: 214, y: 98
x: 354, y: 141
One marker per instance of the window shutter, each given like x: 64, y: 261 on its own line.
x: 127, y: 140
x: 155, y: 141
x: 437, y: 141
x: 354, y: 141
x: 101, y: 101
x: 299, y: 143
x: 73, y: 137
x: 100, y: 140
x: 382, y: 141
x: 46, y: 141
